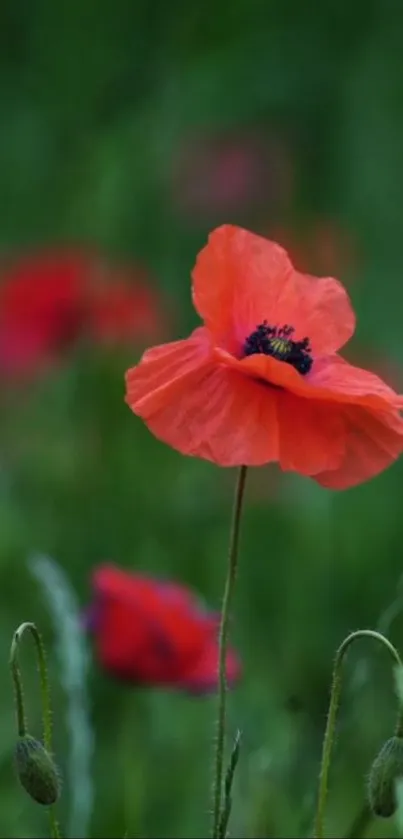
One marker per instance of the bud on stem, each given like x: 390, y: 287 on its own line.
x: 332, y: 716
x: 386, y: 769
x: 36, y: 770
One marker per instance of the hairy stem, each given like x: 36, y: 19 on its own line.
x: 18, y: 689
x: 332, y: 717
x: 54, y: 824
x: 45, y: 697
x: 228, y: 783
x: 223, y: 644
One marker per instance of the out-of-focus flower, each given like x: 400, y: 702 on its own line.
x: 224, y: 172
x: 51, y: 299
x: 153, y: 632
x: 41, y: 309
x: 262, y: 381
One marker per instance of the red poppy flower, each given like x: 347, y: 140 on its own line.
x: 40, y: 309
x: 262, y: 381
x: 154, y: 632
x: 50, y: 299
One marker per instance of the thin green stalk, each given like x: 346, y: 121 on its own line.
x: 332, y: 717
x: 18, y: 689
x: 223, y: 643
x: 228, y: 784
x: 54, y: 825
x: 45, y: 697
x: 43, y: 679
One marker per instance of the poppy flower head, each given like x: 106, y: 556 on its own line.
x: 262, y: 380
x: 254, y: 280
x: 202, y: 677
x: 49, y: 300
x: 154, y: 632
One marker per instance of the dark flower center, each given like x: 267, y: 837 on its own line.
x: 277, y: 342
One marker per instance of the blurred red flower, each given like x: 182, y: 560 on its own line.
x: 153, y: 632
x: 41, y: 309
x: 262, y: 380
x: 50, y: 299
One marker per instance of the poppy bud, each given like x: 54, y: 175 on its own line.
x: 36, y: 770
x: 386, y: 769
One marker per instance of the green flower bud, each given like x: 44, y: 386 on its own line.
x: 386, y: 769
x: 36, y: 770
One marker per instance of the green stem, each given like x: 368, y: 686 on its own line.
x: 18, y: 689
x: 228, y: 783
x: 332, y: 716
x: 54, y: 824
x: 43, y: 678
x: 45, y: 697
x: 45, y: 689
x: 223, y: 643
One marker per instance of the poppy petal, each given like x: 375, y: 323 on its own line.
x: 332, y: 379
x: 203, y: 677
x: 121, y: 640
x: 166, y: 367
x: 373, y: 441
x: 204, y: 409
x: 312, y: 435
x: 140, y: 634
x: 174, y: 594
x: 336, y: 379
x: 241, y: 279
x: 177, y: 596
x: 152, y: 632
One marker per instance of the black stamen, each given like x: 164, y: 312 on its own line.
x: 277, y: 342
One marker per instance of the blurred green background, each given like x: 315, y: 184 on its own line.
x: 136, y: 127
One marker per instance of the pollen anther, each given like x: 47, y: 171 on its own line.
x: 278, y: 343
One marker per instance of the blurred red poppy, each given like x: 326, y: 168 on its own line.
x: 41, y: 309
x: 262, y: 380
x: 50, y: 299
x: 152, y: 632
